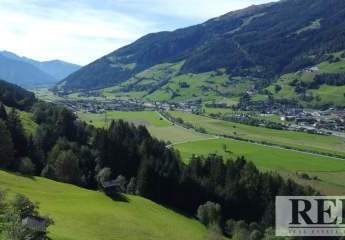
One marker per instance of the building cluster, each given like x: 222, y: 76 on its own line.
x: 101, y: 106
x: 325, y: 122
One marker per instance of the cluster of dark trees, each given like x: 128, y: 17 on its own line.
x: 335, y: 79
x: 332, y: 79
x: 13, y: 142
x: 15, y: 96
x: 252, y: 121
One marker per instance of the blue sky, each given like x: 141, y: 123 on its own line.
x: 81, y: 31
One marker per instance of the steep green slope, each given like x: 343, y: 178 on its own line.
x: 83, y: 214
x: 259, y: 43
x: 294, y: 86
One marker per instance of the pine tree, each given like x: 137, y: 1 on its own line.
x: 131, y: 187
x: 6, y: 146
x: 3, y: 114
x: 15, y: 126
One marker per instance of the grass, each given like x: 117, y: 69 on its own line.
x: 264, y: 157
x: 28, y: 124
x: 81, y: 214
x: 162, y: 83
x: 312, y: 26
x: 328, y: 144
x: 157, y: 126
x: 26, y: 119
x: 46, y: 95
x: 324, y: 95
x: 146, y: 118
x: 206, y: 86
x: 228, y: 111
x: 331, y: 94
x: 330, y: 172
x: 337, y: 67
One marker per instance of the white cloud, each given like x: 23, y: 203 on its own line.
x: 192, y: 9
x: 82, y: 31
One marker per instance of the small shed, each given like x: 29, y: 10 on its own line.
x: 110, y: 184
x: 35, y: 223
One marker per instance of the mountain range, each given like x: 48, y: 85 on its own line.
x: 245, y: 50
x: 30, y: 73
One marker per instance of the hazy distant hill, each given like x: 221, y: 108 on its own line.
x: 14, y: 96
x: 31, y: 73
x: 224, y: 56
x: 23, y: 74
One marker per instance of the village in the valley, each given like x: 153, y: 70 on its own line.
x: 327, y: 122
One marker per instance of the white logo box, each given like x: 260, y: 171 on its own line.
x: 310, y: 216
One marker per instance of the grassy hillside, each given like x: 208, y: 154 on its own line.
x: 299, y: 140
x: 325, y: 94
x: 157, y: 126
x: 81, y: 214
x: 163, y: 83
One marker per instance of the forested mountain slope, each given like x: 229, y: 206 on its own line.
x: 255, y: 45
x: 14, y: 96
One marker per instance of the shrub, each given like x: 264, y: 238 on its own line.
x: 121, y: 183
x: 103, y: 175
x: 209, y: 213
x: 26, y: 166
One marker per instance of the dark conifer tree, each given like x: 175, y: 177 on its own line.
x: 3, y: 114
x: 15, y: 126
x: 6, y: 146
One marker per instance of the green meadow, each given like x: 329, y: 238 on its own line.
x: 312, y: 142
x: 286, y: 162
x: 81, y: 214
x: 326, y: 94
x: 145, y: 118
x: 156, y: 124
x: 264, y: 157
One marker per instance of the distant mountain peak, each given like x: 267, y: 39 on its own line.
x: 32, y: 73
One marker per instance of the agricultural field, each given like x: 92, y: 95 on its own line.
x: 283, y: 161
x: 228, y: 111
x: 156, y: 124
x: 81, y: 214
x: 46, y: 95
x: 312, y: 142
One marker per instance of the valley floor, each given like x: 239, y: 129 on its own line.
x: 324, y: 171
